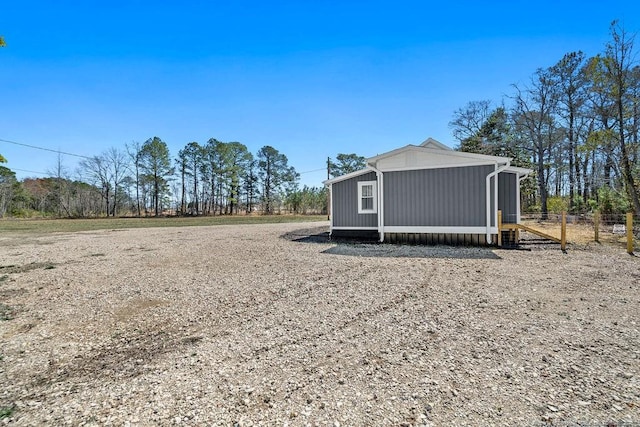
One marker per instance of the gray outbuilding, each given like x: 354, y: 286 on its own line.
x: 427, y: 193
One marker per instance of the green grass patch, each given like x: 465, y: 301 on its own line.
x: 46, y: 226
x: 6, y: 312
x: 6, y: 412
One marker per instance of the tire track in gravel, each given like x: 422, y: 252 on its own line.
x: 130, y: 354
x: 240, y: 309
x: 303, y: 384
x: 361, y: 317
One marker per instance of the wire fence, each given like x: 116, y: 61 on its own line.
x: 605, y: 220
x: 587, y: 228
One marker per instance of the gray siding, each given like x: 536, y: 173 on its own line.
x: 507, y: 203
x: 344, y: 202
x: 436, y: 197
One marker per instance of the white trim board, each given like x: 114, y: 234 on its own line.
x: 457, y: 165
x: 439, y: 229
x: 518, y: 170
x: 330, y: 207
x: 437, y: 152
x: 355, y: 228
x: 348, y: 176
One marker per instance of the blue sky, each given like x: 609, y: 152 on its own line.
x: 310, y: 78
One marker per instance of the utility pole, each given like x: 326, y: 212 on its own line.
x: 328, y: 190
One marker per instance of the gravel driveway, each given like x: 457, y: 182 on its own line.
x: 262, y: 325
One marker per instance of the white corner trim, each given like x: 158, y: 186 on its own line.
x: 381, y: 199
x: 494, y: 175
x: 330, y: 208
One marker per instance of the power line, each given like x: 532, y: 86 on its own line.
x: 25, y: 170
x: 87, y: 157
x: 315, y: 170
x: 45, y: 149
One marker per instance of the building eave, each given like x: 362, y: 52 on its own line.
x: 519, y: 171
x: 440, y: 152
x: 347, y: 176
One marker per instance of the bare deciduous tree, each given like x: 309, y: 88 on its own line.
x: 534, y: 121
x: 619, y: 60
x: 468, y: 120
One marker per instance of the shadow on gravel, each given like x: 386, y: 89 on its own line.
x: 308, y: 235
x: 407, y: 251
x: 368, y: 248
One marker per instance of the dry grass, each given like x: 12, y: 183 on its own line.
x: 46, y: 226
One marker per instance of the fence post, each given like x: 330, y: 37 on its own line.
x: 630, y: 233
x: 563, y: 232
x: 499, y: 228
x: 596, y: 225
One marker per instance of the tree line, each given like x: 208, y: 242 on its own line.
x: 575, y: 123
x: 143, y: 179
x: 212, y: 178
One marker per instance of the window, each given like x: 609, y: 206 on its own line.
x: 367, y: 197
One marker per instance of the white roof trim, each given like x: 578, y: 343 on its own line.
x: 452, y: 165
x: 348, y: 176
x: 431, y: 146
x: 519, y: 171
x: 432, y: 143
x: 460, y: 154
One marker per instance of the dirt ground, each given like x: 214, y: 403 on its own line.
x: 274, y: 325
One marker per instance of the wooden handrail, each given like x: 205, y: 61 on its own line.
x: 530, y: 230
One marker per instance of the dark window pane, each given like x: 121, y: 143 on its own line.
x: 367, y: 204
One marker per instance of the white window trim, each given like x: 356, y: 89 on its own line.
x: 375, y: 197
